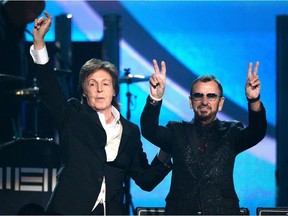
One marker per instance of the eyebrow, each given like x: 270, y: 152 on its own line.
x: 91, y: 79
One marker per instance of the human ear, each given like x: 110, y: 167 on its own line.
x: 221, y: 103
x: 190, y: 102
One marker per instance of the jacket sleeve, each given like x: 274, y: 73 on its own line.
x: 254, y: 132
x: 147, y: 176
x: 158, y: 135
x: 52, y: 96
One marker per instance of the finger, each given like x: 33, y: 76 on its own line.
x: 155, y: 65
x: 255, y: 81
x: 38, y: 23
x: 249, y: 74
x: 40, y: 20
x: 35, y: 23
x: 256, y: 86
x: 163, y: 68
x: 158, y: 80
x: 47, y: 15
x: 153, y: 82
x: 255, y: 73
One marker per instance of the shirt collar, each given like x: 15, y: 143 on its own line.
x: 115, y: 113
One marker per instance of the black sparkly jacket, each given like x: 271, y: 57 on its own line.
x: 203, y: 160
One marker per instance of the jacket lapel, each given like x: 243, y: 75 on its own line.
x: 97, y: 147
x: 125, y: 134
x: 93, y: 116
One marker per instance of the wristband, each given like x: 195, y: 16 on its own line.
x: 253, y: 100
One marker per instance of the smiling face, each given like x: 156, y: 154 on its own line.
x: 206, y: 108
x: 98, y: 90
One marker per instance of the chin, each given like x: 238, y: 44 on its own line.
x: 204, y: 117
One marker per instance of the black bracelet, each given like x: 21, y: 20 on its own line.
x: 253, y: 100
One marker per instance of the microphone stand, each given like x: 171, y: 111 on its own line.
x: 128, y: 197
x: 36, y: 109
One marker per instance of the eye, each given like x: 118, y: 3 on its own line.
x: 197, y: 96
x: 211, y: 96
x: 91, y: 83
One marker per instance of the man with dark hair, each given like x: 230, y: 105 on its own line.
x: 203, y: 150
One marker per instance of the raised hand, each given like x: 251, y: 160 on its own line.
x: 41, y: 27
x: 253, y: 84
x: 158, y: 80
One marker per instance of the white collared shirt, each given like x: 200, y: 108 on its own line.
x: 114, y: 133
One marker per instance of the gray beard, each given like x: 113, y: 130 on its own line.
x: 206, y: 119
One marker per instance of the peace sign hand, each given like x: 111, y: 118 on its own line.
x: 253, y: 85
x: 158, y: 80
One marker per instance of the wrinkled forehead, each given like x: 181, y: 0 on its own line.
x: 99, y: 74
x: 206, y: 87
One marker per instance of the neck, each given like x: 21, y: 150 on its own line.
x: 109, y: 115
x: 204, y: 122
x: 109, y: 118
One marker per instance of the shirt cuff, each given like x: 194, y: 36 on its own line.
x: 155, y: 99
x: 39, y: 56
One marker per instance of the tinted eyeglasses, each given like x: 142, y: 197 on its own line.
x: 209, y: 96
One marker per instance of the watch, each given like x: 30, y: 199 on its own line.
x: 153, y: 102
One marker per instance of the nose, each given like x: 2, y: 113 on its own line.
x: 99, y: 88
x: 204, y: 99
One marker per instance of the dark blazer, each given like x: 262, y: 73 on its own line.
x: 204, y: 185
x: 82, y: 139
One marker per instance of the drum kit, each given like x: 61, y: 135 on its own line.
x: 14, y: 93
x: 27, y: 164
x: 23, y: 93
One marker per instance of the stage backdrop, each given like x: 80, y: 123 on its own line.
x: 194, y: 38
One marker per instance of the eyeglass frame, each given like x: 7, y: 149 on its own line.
x: 209, y: 96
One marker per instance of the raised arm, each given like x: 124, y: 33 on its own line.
x: 51, y: 93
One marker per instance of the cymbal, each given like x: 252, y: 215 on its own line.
x: 63, y: 71
x: 129, y: 78
x: 26, y: 93
x: 10, y: 78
